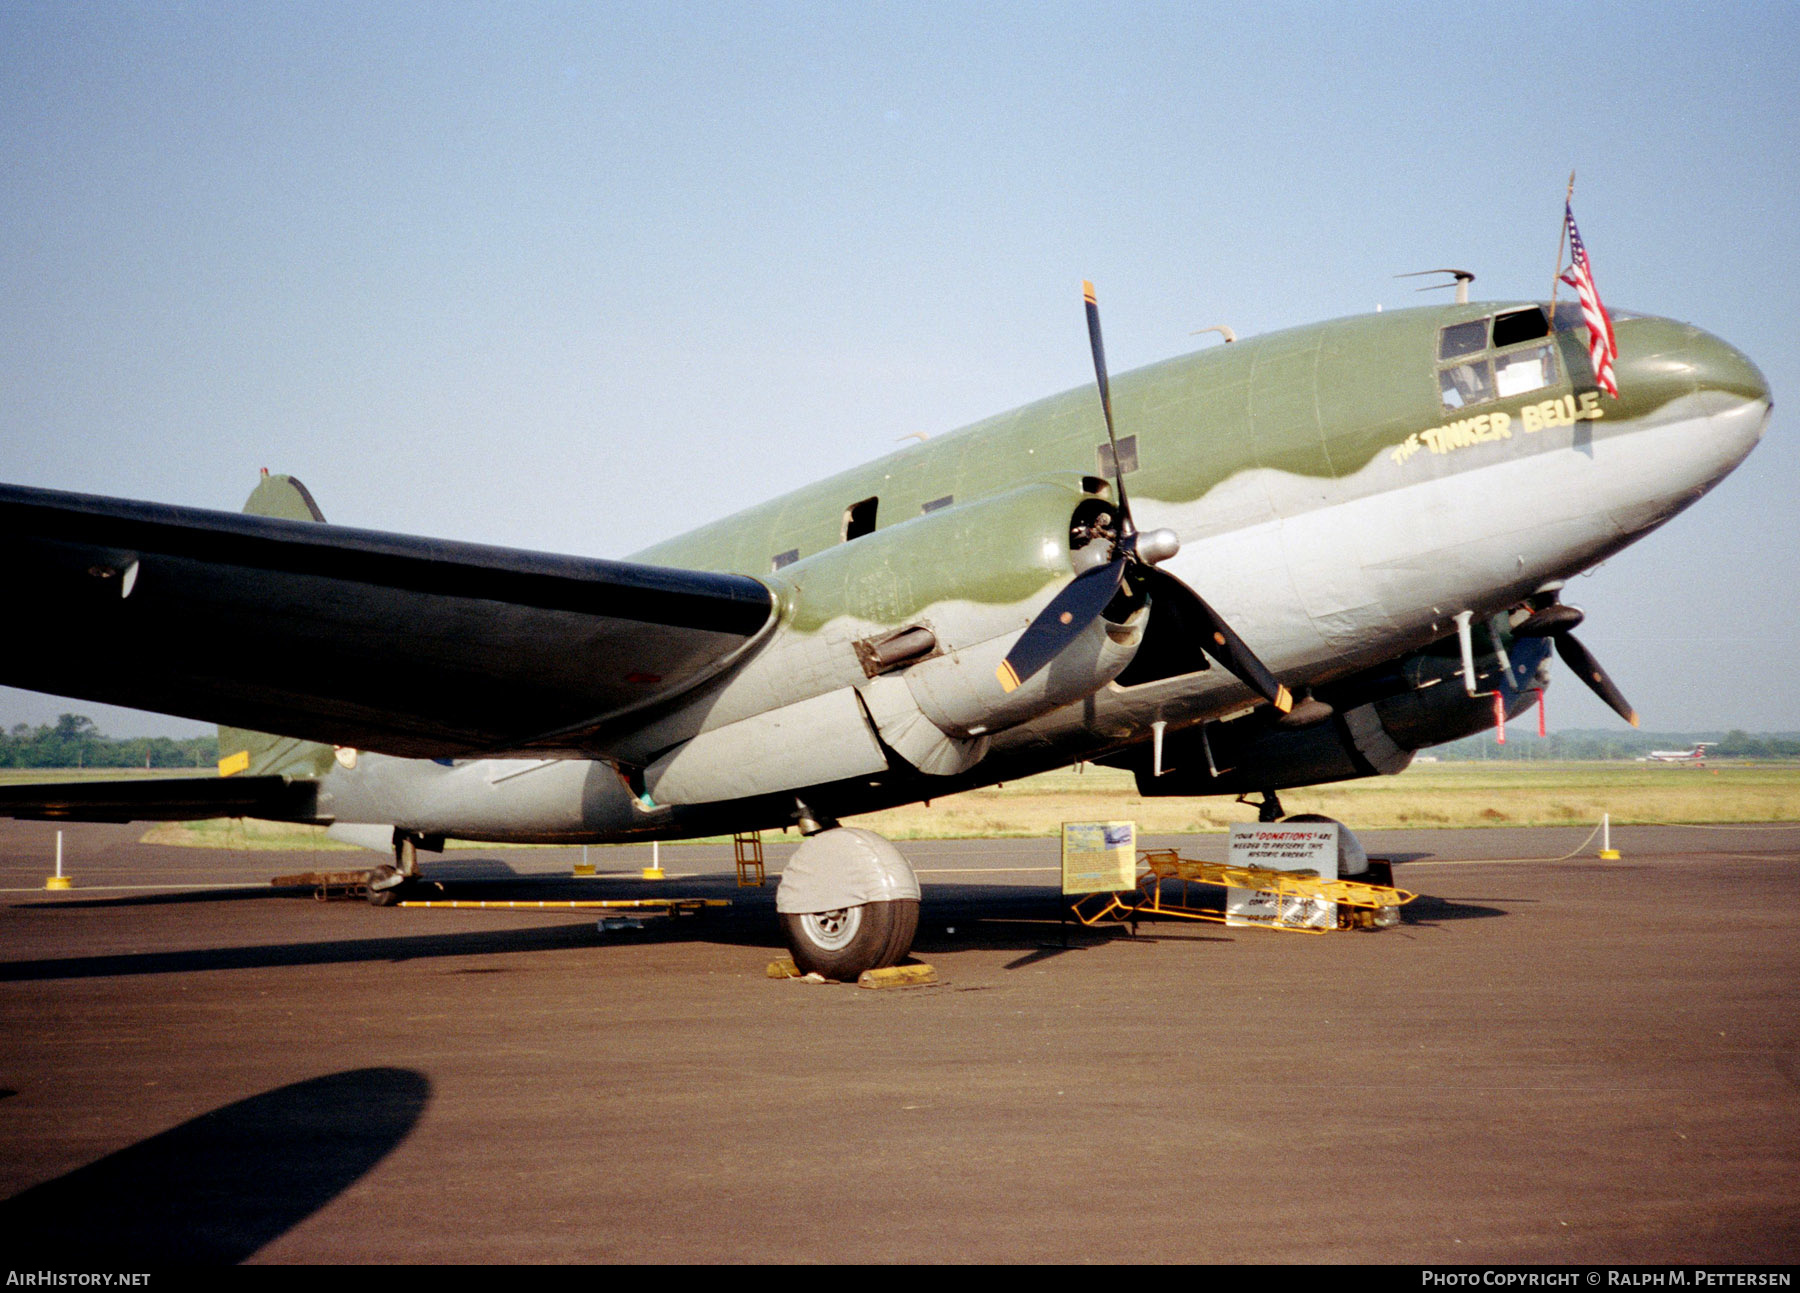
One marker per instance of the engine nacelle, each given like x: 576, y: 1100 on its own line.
x: 940, y: 599
x: 961, y: 692
x: 1380, y: 718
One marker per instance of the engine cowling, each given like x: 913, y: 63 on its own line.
x: 972, y: 576
x: 1379, y: 719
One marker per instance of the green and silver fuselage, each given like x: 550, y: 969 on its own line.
x: 1341, y: 492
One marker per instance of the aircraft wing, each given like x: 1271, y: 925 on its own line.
x: 408, y: 646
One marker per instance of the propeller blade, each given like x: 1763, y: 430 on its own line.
x: 1073, y: 609
x: 1588, y: 669
x: 1205, y: 627
x: 1061, y: 622
x: 1099, y: 348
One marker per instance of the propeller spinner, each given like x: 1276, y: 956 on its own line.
x: 1557, y: 622
x: 1134, y: 557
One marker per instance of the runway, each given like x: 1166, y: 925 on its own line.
x: 1549, y: 1061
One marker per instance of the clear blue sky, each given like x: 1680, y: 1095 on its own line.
x: 579, y: 277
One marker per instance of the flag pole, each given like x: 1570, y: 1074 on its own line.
x: 1562, y: 239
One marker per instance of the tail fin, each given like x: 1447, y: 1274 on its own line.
x: 284, y: 497
x: 259, y: 753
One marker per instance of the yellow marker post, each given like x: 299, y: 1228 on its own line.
x: 59, y: 880
x: 584, y: 867
x: 655, y: 870
x: 1607, y: 852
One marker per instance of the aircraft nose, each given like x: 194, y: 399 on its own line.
x: 1700, y: 406
x: 1712, y: 383
x: 1663, y: 359
x: 1718, y: 366
x: 1733, y: 392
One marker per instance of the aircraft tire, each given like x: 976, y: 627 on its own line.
x: 842, y: 944
x: 390, y: 893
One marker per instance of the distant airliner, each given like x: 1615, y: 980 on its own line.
x: 1695, y: 755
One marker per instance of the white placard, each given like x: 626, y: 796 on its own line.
x: 1282, y: 846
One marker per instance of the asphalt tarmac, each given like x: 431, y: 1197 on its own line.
x: 1568, y: 1061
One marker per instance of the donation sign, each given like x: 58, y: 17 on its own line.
x: 1099, y: 857
x: 1283, y: 846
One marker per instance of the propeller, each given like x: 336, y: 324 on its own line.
x: 1557, y: 622
x: 1133, y: 560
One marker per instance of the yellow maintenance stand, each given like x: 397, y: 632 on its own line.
x: 1359, y: 905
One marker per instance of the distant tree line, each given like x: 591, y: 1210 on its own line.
x: 1741, y: 745
x: 74, y: 742
x: 1523, y: 743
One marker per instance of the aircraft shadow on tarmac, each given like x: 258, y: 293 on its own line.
x: 1426, y: 910
x: 1028, y: 918
x: 399, y: 947
x: 456, y: 870
x: 219, y: 1187
x: 170, y: 899
x: 749, y: 923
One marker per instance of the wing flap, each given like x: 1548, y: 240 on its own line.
x: 410, y: 646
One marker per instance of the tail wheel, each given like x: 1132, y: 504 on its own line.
x: 385, y: 885
x: 842, y: 944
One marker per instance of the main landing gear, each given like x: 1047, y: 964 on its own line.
x: 848, y: 902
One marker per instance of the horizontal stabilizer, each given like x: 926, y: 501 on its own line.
x: 162, y: 799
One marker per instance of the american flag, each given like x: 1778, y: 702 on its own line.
x: 1602, y: 349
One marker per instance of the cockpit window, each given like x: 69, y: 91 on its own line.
x: 1466, y: 384
x: 1519, y: 325
x: 1524, y: 370
x: 1568, y: 316
x: 1463, y: 339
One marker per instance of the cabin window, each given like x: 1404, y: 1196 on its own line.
x: 859, y: 519
x: 1128, y: 458
x: 1462, y: 339
x: 781, y: 559
x: 1466, y: 384
x: 1519, y: 325
x: 937, y: 503
x: 1524, y: 370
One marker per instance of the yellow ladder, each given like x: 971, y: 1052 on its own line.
x: 748, y: 848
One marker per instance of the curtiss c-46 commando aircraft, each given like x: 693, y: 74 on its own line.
x: 1308, y: 555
